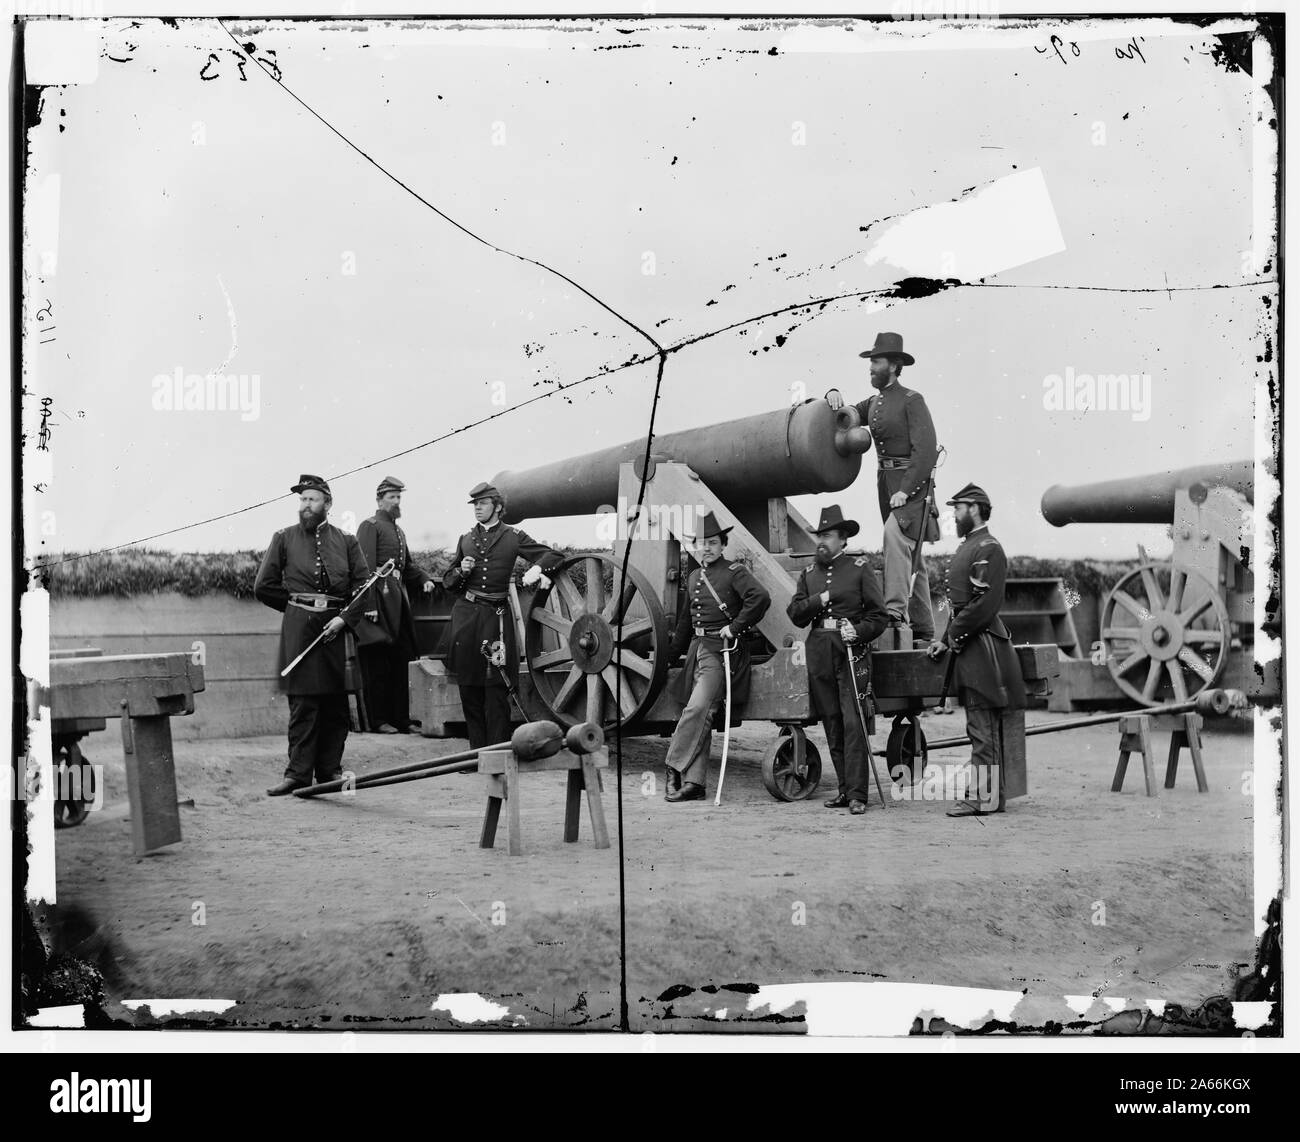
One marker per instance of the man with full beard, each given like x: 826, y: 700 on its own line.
x: 985, y: 670
x: 839, y: 597
x: 906, y: 453
x: 309, y: 573
x: 387, y: 636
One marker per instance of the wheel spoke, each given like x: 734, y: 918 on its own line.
x: 618, y: 603
x: 1198, y: 635
x: 1153, y: 680
x: 1131, y: 661
x: 1196, y: 663
x: 595, y: 701
x: 547, y: 618
x: 553, y: 658
x: 1177, y: 586
x: 622, y: 694
x: 1130, y: 604
x: 630, y: 660
x: 568, y: 592
x: 595, y: 585
x: 1154, y: 598
x: 1128, y: 634
x: 566, y: 691
x: 1196, y: 610
x: 635, y: 629
x: 1176, y: 677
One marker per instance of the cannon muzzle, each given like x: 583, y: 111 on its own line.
x: 1141, y: 499
x: 808, y: 448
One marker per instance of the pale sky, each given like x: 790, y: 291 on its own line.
x: 195, y: 217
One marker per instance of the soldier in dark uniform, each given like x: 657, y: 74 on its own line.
x: 723, y: 601
x: 985, y: 668
x: 309, y: 573
x: 840, y: 598
x: 387, y: 636
x: 906, y: 452
x: 480, y: 573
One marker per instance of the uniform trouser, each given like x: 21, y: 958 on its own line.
x: 487, y: 714
x: 383, y: 667
x: 688, y: 752
x: 835, y: 701
x: 898, y: 569
x: 318, y: 727
x: 986, y: 730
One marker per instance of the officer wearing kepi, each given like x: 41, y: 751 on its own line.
x: 481, y: 572
x: 310, y: 572
x: 723, y: 602
x: 984, y: 667
x: 906, y: 453
x: 840, y: 597
x: 387, y: 634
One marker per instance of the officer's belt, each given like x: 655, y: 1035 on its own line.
x: 313, y: 602
x: 892, y: 463
x: 700, y: 632
x: 828, y: 624
x: 486, y: 599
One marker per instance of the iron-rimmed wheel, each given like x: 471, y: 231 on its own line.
x: 905, y: 749
x: 582, y: 670
x: 792, y: 767
x: 1166, y: 633
x: 69, y: 814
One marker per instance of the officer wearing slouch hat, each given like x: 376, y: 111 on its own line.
x: 309, y: 573
x: 386, y: 636
x: 480, y: 574
x: 723, y: 602
x: 906, y: 452
x: 840, y: 598
x: 985, y: 668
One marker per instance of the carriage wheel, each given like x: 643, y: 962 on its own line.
x: 1166, y: 634
x: 582, y: 670
x: 905, y: 749
x: 792, y: 767
x: 69, y: 814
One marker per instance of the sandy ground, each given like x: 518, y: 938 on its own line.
x: 363, y: 910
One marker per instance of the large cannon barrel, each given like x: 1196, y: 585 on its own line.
x: 1141, y: 499
x: 807, y: 448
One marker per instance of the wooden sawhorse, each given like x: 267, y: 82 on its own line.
x: 501, y: 769
x: 1135, y: 737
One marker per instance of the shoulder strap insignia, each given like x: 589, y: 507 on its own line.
x: 737, y: 567
x: 860, y: 561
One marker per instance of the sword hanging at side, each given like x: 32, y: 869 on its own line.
x: 383, y: 572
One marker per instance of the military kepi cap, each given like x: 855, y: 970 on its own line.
x: 390, y: 484
x: 308, y: 483
x: 972, y: 494
x: 832, y: 517
x: 480, y: 491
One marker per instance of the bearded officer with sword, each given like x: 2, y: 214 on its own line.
x: 312, y: 573
x: 723, y: 601
x: 840, y: 598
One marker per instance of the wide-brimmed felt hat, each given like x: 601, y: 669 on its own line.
x: 710, y: 527
x: 833, y: 518
x: 972, y: 494
x: 889, y: 345
x: 308, y: 483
